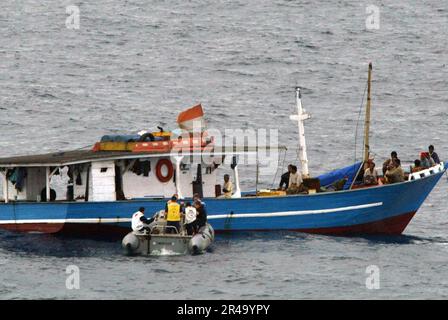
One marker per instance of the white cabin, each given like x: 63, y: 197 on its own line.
x: 103, y: 176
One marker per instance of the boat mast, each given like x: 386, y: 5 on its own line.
x: 367, y: 121
x: 300, y: 117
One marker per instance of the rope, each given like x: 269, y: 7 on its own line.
x: 281, y: 167
x: 85, y: 147
x: 356, y: 136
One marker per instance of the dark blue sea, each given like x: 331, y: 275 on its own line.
x: 135, y: 64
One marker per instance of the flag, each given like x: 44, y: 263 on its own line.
x: 192, y: 117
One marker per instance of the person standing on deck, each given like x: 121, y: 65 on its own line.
x: 173, y: 215
x: 227, y: 187
x: 394, y: 173
x: 390, y: 161
x: 433, y: 154
x: 140, y: 222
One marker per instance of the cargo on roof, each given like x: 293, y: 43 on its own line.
x: 64, y: 158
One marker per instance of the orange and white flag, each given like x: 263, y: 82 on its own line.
x: 192, y: 118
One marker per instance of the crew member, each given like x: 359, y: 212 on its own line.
x: 139, y: 221
x: 201, y: 219
x: 190, y: 218
x: 197, y: 197
x: 173, y: 215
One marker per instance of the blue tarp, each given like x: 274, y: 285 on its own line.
x: 120, y: 138
x: 124, y: 138
x: 333, y: 176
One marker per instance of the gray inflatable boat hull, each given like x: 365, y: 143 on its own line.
x: 160, y: 244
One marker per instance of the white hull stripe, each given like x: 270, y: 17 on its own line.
x: 294, y: 213
x: 211, y: 217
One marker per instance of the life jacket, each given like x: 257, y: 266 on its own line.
x: 190, y: 214
x: 137, y: 224
x: 173, y: 212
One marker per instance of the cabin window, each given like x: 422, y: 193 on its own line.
x: 103, y: 170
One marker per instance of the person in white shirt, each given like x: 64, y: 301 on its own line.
x: 370, y: 174
x: 190, y: 218
x: 295, y: 181
x: 140, y: 222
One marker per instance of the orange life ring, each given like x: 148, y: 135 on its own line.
x: 170, y: 172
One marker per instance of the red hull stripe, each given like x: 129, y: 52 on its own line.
x: 34, y: 227
x: 390, y: 226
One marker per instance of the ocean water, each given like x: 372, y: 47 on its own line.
x: 135, y: 64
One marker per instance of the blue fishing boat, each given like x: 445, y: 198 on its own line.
x: 107, y: 184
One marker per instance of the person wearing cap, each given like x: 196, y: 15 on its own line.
x: 426, y: 160
x: 434, y: 156
x: 139, y: 222
x: 173, y: 215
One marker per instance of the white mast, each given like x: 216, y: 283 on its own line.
x: 300, y: 117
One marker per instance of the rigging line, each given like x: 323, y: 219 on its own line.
x: 85, y: 147
x: 282, y: 166
x: 357, y: 123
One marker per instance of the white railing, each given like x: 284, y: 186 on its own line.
x: 427, y: 172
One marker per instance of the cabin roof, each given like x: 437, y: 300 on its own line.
x: 64, y: 158
x: 60, y: 158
